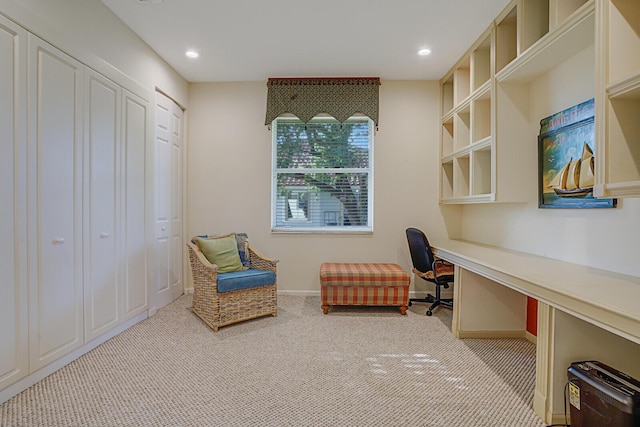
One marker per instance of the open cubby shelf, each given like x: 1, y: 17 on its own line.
x: 486, y: 132
x: 618, y: 99
x: 623, y: 32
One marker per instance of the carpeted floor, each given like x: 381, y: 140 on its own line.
x: 353, y: 367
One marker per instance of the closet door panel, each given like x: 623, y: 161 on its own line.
x: 177, y: 242
x: 13, y: 287
x: 102, y: 137
x: 135, y: 111
x: 162, y: 199
x: 167, y: 263
x: 55, y: 222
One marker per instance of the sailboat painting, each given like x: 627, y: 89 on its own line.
x: 567, y: 160
x: 575, y: 179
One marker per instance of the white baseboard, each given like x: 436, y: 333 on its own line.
x: 305, y: 293
x: 540, y: 404
x: 299, y: 293
x: 44, y: 372
x: 492, y: 334
x: 539, y: 407
x: 560, y: 419
x: 531, y: 338
x: 312, y: 293
x: 444, y: 294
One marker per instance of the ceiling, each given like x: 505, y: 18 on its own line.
x: 252, y: 40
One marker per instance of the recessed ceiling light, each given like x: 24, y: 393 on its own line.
x: 424, y: 52
x: 192, y: 53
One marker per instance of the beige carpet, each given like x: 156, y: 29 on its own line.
x: 353, y: 367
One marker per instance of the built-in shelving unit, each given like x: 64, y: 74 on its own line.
x: 466, y: 136
x: 552, y: 47
x: 618, y: 99
x: 507, y: 38
x: 485, y: 101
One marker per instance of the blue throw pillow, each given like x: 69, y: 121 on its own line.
x: 241, y: 239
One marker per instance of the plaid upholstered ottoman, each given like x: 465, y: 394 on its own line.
x: 364, y: 284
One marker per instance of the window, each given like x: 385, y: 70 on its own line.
x: 297, y: 205
x: 322, y: 175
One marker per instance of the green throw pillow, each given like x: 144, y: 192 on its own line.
x: 222, y: 251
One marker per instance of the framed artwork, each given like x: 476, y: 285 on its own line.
x: 566, y: 160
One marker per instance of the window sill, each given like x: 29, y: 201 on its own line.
x: 327, y: 230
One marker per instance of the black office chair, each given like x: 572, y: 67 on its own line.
x: 428, y: 267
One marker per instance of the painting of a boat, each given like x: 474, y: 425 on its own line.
x: 566, y: 159
x: 575, y: 179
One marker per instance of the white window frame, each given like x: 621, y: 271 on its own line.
x: 298, y: 228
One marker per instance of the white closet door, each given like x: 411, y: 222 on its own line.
x: 55, y: 203
x: 13, y: 286
x: 134, y: 131
x: 177, y: 243
x: 101, y: 143
x: 167, y: 277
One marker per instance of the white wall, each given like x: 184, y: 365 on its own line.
x: 602, y: 238
x: 229, y: 172
x: 91, y: 33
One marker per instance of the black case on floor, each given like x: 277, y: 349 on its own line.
x: 607, y: 397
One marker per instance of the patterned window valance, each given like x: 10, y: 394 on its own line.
x: 340, y: 97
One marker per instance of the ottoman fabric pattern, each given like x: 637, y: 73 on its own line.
x: 365, y: 295
x: 364, y: 284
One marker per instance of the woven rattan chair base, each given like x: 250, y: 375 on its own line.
x: 237, y: 306
x: 221, y: 309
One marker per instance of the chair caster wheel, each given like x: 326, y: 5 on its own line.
x: 429, y: 313
x: 410, y: 303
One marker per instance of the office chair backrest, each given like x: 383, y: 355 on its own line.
x: 421, y: 254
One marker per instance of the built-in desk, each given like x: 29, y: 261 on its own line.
x: 583, y: 313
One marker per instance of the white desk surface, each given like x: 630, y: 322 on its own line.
x: 604, y: 298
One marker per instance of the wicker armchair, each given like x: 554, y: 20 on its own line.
x: 218, y: 309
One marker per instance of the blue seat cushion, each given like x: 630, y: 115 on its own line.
x: 245, y: 279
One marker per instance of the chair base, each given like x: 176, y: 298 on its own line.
x: 435, y: 302
x: 227, y: 308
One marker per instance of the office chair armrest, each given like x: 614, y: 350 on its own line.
x: 439, y: 274
x: 440, y: 261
